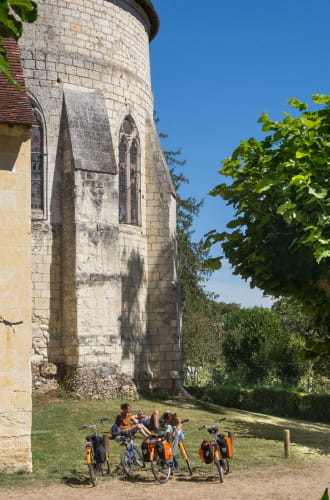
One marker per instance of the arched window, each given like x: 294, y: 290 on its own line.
x: 129, y: 173
x: 38, y: 155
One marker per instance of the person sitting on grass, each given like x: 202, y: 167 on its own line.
x: 126, y: 423
x: 149, y: 421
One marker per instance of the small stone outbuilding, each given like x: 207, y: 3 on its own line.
x: 16, y: 118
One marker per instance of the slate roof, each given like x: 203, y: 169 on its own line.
x: 15, y: 107
x: 152, y: 15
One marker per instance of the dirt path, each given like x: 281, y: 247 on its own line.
x: 305, y: 483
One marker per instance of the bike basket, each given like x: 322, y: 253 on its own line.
x: 164, y: 449
x: 146, y: 447
x: 205, y: 452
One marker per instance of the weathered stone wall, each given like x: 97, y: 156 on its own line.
x: 164, y: 332
x: 91, y: 275
x: 15, y: 298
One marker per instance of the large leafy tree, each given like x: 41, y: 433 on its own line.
x: 200, y: 312
x: 280, y: 236
x: 13, y: 13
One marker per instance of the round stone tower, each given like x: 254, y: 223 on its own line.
x: 105, y: 299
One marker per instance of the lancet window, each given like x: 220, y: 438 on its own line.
x: 129, y: 173
x: 38, y: 163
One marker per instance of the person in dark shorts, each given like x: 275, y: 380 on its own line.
x: 151, y: 422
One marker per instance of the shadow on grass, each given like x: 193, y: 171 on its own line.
x: 200, y: 479
x: 212, y: 408
x: 76, y: 478
x: 301, y: 434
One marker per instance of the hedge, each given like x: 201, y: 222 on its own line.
x: 279, y: 402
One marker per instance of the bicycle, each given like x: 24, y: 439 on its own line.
x: 130, y: 457
x: 218, y: 450
x: 178, y: 443
x: 96, y: 455
x: 158, y: 451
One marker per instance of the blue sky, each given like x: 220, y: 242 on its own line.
x: 216, y: 66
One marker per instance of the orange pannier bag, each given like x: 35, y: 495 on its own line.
x: 164, y: 449
x: 147, y: 445
x: 205, y: 452
x: 229, y: 443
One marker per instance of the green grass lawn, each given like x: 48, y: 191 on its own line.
x: 58, y: 445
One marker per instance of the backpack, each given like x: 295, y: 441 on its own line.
x: 205, y: 452
x: 164, y: 449
x: 99, y: 450
x: 146, y: 447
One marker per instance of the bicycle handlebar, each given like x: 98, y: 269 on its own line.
x: 207, y: 426
x: 89, y: 426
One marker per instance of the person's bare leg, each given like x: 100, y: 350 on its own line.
x: 154, y: 420
x: 141, y: 428
x: 145, y: 431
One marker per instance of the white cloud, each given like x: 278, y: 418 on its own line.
x: 232, y: 288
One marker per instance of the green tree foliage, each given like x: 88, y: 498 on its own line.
x: 295, y: 321
x: 202, y: 331
x: 13, y: 13
x: 192, y: 255
x: 200, y: 312
x: 280, y: 236
x: 259, y: 350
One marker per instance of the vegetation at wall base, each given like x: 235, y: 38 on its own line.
x: 273, y: 401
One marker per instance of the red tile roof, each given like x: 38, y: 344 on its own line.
x: 15, y: 107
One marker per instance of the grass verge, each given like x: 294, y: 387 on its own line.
x: 58, y: 445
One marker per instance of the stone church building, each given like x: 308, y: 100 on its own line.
x: 105, y: 314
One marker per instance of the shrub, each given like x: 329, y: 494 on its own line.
x: 274, y: 401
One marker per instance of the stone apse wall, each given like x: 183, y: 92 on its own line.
x: 105, y: 294
x: 15, y: 298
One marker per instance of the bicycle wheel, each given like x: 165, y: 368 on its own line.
x: 225, y: 466
x: 126, y: 463
x: 92, y: 474
x: 138, y: 457
x: 161, y: 470
x: 220, y: 470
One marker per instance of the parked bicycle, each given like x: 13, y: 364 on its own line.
x: 131, y: 458
x: 158, y: 451
x: 218, y: 450
x: 177, y: 443
x: 96, y: 456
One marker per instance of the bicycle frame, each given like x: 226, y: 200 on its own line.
x: 131, y: 457
x: 183, y: 450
